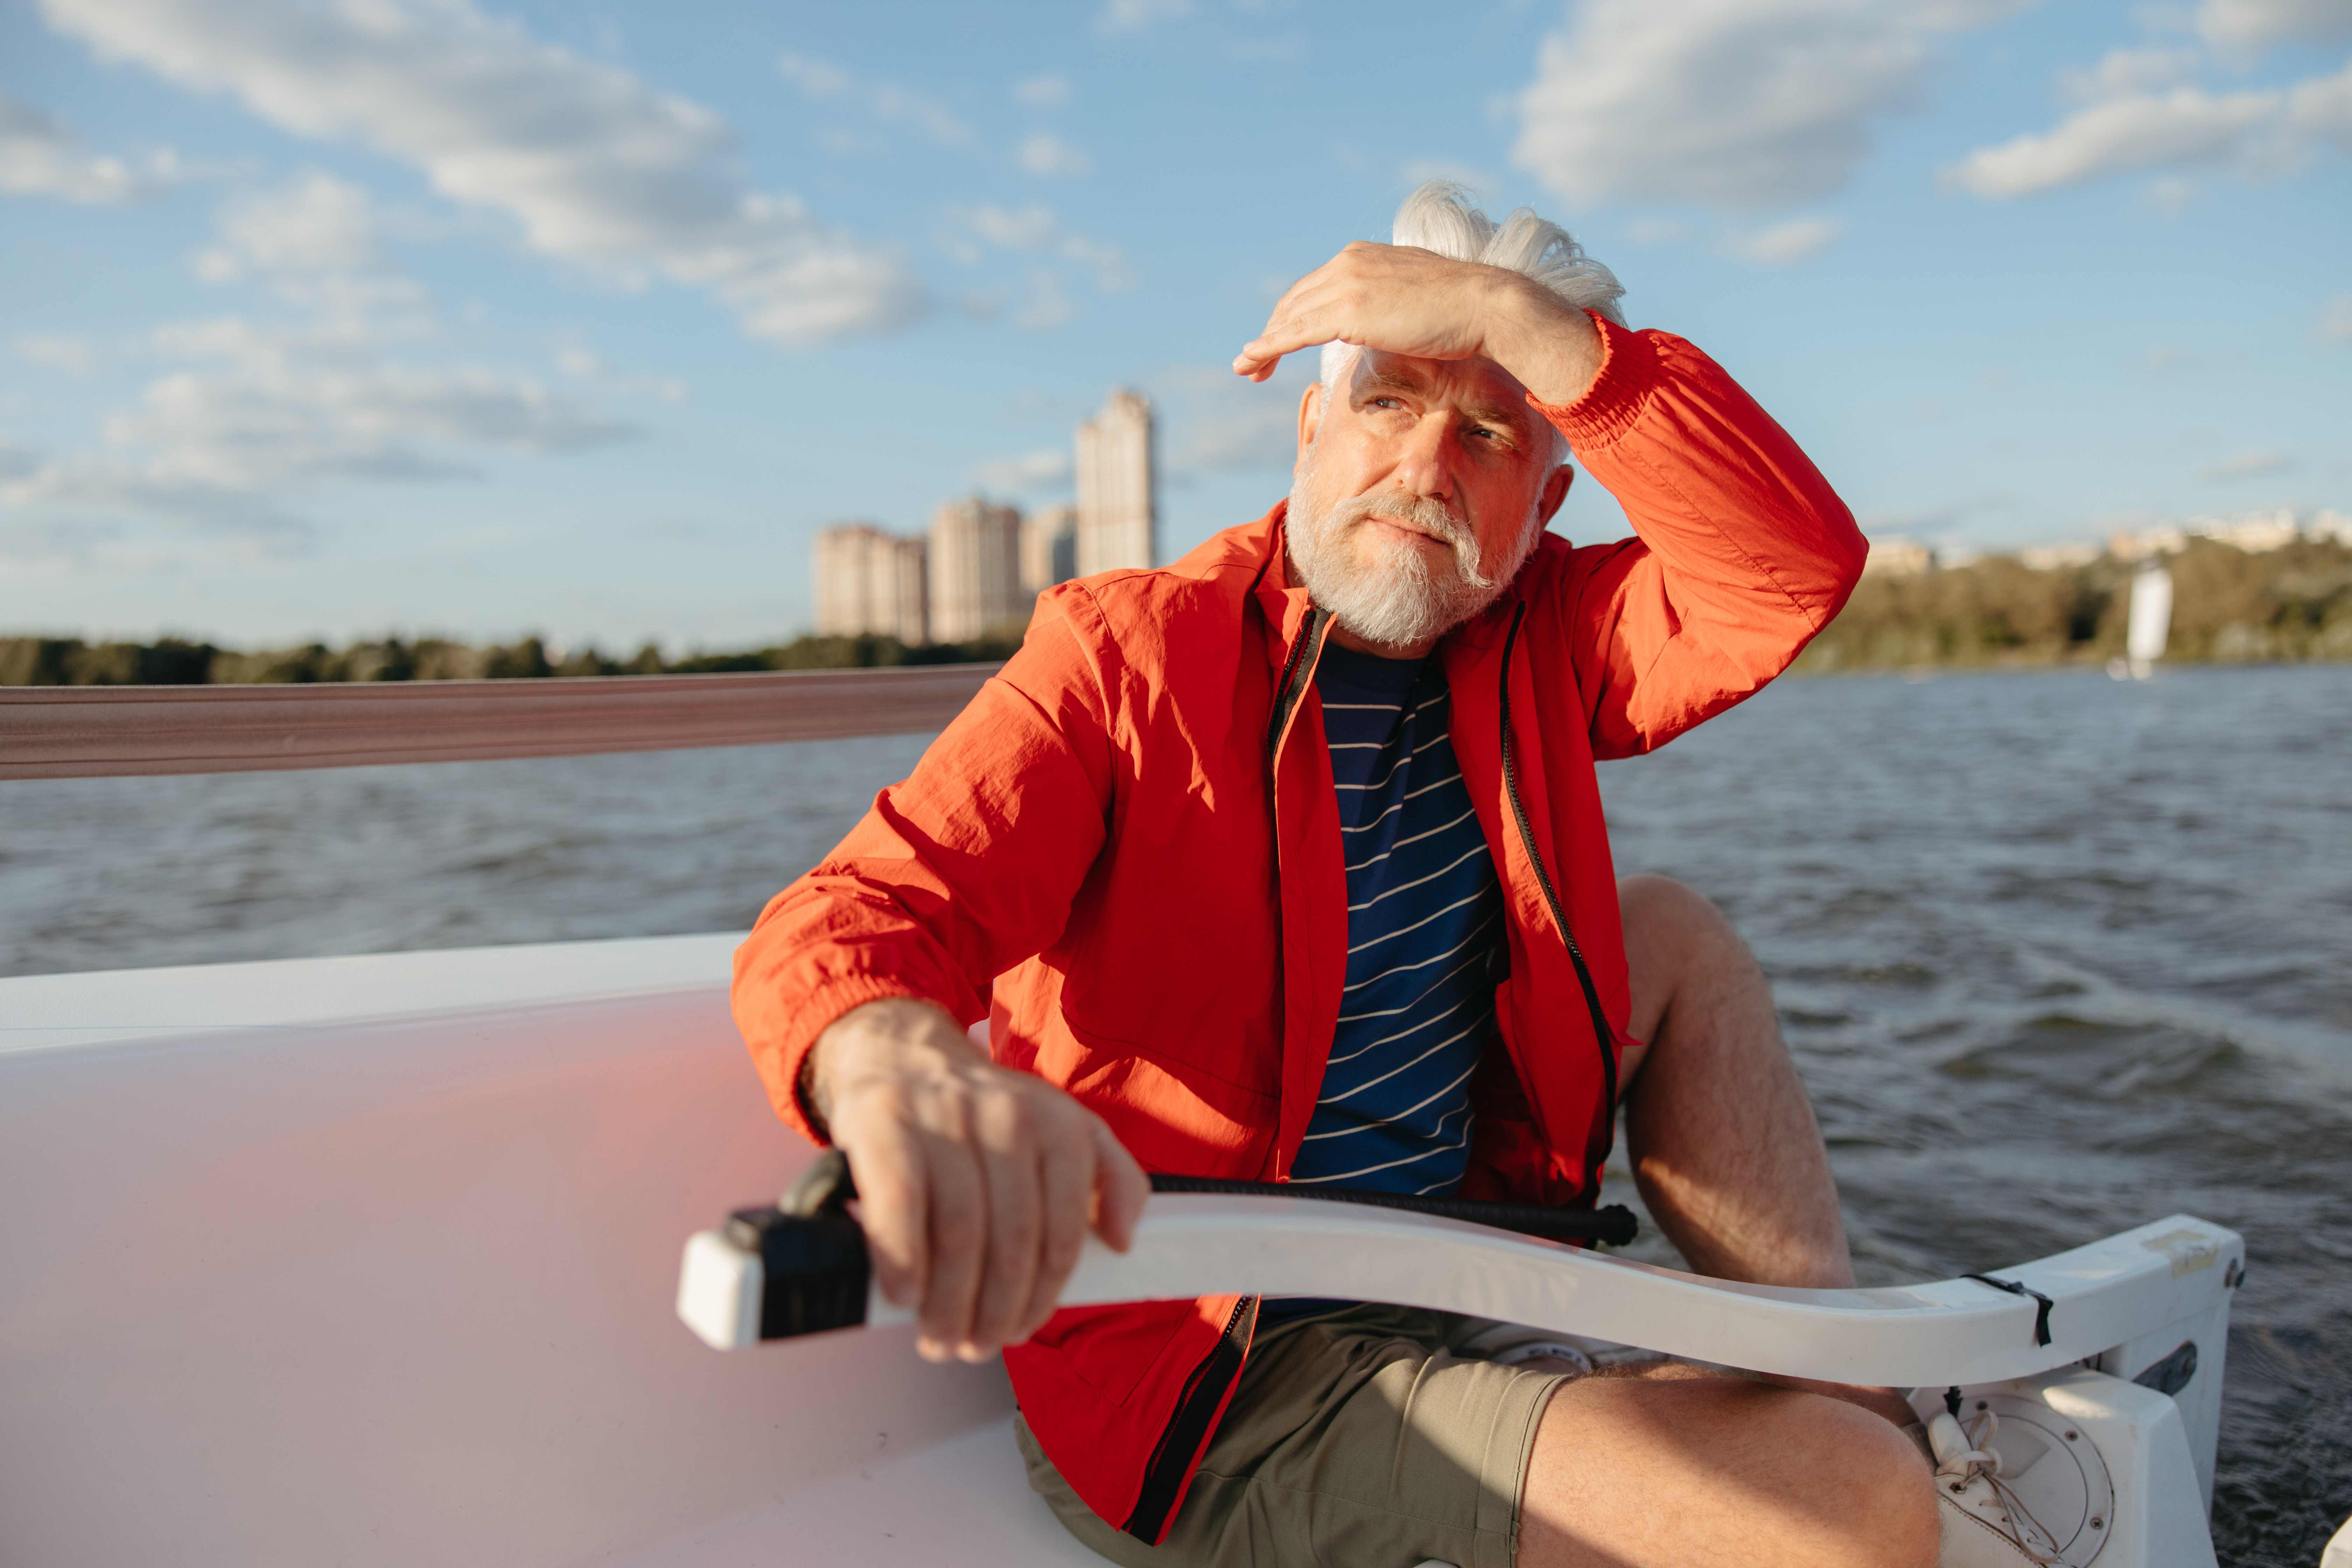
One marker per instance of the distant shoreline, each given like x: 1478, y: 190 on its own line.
x: 2289, y: 606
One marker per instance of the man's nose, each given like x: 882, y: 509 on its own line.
x: 1424, y: 466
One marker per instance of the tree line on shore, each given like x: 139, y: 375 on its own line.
x: 2229, y: 606
x: 174, y: 661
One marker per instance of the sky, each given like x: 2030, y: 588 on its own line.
x: 479, y: 318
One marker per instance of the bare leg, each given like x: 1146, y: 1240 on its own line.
x: 1682, y: 1466
x: 1723, y: 1145
x: 1687, y: 1470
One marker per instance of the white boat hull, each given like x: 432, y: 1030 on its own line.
x: 373, y: 1261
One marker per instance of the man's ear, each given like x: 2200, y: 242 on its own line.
x: 1310, y: 417
x: 1555, y: 492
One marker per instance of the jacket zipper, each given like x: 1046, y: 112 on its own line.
x: 1206, y: 1387
x: 1601, y: 1035
x: 1295, y: 674
x: 1204, y: 1392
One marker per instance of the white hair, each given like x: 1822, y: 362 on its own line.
x: 1440, y: 217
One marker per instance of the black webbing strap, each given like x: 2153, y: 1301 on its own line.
x: 2042, y: 1314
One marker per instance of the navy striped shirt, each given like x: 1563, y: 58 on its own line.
x: 1423, y: 913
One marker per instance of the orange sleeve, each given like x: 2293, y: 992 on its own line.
x: 959, y: 873
x: 1742, y: 551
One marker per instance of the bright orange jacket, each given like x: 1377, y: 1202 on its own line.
x: 1125, y: 854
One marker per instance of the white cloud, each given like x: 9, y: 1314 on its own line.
x: 931, y: 117
x: 53, y: 351
x: 818, y: 78
x: 40, y: 157
x: 268, y: 420
x: 313, y: 223
x: 2246, y: 465
x: 2258, y: 132
x: 252, y: 412
x: 1035, y: 230
x: 1785, y: 244
x: 210, y: 451
x: 885, y: 100
x: 2187, y: 125
x: 1045, y: 305
x: 2335, y: 320
x: 597, y: 166
x: 1218, y: 421
x: 264, y: 405
x: 1735, y: 103
x: 1257, y: 437
x: 1049, y: 157
x: 1031, y: 227
x: 1134, y: 16
x: 1029, y: 471
x: 58, y: 548
x: 2121, y: 73
x: 1043, y: 91
x: 2251, y: 23
x: 2322, y: 108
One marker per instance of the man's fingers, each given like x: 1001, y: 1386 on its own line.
x: 1016, y: 1227
x: 1065, y: 1183
x: 1299, y: 317
x: 1120, y: 1187
x: 959, y: 1221
x: 893, y: 1204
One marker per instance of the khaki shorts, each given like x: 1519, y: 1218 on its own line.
x: 1375, y: 1435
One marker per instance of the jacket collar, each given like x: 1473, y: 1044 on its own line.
x: 1283, y: 606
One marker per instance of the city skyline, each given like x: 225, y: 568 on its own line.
x: 979, y: 568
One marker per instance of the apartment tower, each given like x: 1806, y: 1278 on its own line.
x: 868, y: 581
x: 975, y: 565
x: 1049, y: 548
x: 1119, y: 516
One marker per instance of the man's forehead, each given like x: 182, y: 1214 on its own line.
x: 1478, y: 385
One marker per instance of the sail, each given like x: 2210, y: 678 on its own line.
x: 2152, y: 616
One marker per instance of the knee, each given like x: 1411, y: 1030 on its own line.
x: 1679, y: 949
x: 1877, y: 1485
x: 1660, y: 912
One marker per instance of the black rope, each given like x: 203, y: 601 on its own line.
x: 1613, y: 1226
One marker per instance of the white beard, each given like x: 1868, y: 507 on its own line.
x: 1395, y: 597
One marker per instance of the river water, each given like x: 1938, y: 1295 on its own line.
x: 2057, y: 955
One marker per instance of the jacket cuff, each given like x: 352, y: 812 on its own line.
x: 1629, y: 370
x: 782, y: 1057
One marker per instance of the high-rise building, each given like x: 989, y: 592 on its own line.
x: 975, y: 567
x: 1049, y: 548
x: 1118, y: 512
x: 870, y: 582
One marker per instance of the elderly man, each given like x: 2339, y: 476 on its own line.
x: 1287, y: 862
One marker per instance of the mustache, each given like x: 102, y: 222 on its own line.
x: 1427, y: 513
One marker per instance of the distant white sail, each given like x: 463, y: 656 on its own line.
x: 2149, y: 624
x: 2152, y: 616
